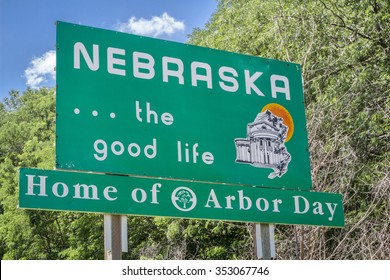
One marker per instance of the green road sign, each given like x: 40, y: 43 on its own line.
x: 128, y: 104
x: 89, y: 192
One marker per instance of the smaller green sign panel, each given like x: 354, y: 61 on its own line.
x: 99, y: 193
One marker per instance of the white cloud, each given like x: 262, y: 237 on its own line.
x: 41, y: 70
x: 156, y: 26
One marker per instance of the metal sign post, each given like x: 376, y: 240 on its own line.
x: 265, y: 242
x: 115, y: 236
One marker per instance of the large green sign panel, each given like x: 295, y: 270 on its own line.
x: 133, y: 105
x: 99, y: 193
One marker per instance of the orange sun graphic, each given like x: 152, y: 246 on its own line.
x: 281, y: 112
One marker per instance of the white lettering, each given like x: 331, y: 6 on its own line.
x: 276, y: 204
x: 134, y: 195
x: 106, y: 193
x: 249, y: 82
x: 152, y: 148
x: 65, y: 189
x: 114, y: 150
x: 137, y: 150
x: 154, y: 191
x: 31, y: 185
x: 275, y: 88
x: 208, y: 158
x: 100, y: 147
x: 173, y: 73
x: 195, y: 154
x: 265, y: 202
x: 331, y: 209
x: 318, y: 208
x: 148, y: 66
x: 86, y: 189
x: 61, y: 190
x: 213, y: 199
x: 229, y: 200
x: 117, y: 149
x: 244, y: 200
x: 229, y: 79
x: 195, y: 77
x: 173, y: 70
x: 138, y: 111
x: 111, y: 61
x: 179, y: 151
x: 80, y: 48
x: 167, y: 118
x: 297, y: 205
x: 151, y: 115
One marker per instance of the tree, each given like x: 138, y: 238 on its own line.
x: 27, y: 140
x: 343, y: 48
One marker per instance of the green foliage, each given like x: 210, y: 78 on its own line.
x: 344, y: 50
x: 166, y: 238
x: 22, y: 118
x: 27, y: 140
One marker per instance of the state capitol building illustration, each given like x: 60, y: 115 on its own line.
x: 264, y: 145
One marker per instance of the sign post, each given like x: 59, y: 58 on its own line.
x: 264, y: 241
x: 115, y: 236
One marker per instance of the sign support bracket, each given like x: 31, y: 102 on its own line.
x: 115, y: 236
x: 264, y: 241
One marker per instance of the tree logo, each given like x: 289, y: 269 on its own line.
x: 184, y: 199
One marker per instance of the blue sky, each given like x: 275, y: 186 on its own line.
x: 27, y: 30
